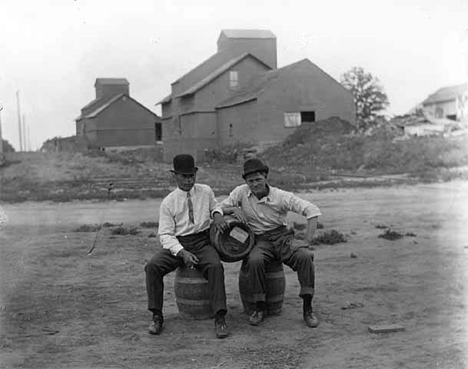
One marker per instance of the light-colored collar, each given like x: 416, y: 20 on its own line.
x: 267, y: 197
x: 184, y: 193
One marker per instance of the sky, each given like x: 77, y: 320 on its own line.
x: 52, y: 51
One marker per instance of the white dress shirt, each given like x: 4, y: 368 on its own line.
x: 174, y: 215
x: 270, y: 211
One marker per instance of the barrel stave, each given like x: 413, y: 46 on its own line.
x: 193, y: 297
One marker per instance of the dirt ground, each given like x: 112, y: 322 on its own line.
x: 60, y: 308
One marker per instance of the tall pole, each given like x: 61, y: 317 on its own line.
x: 29, y: 140
x: 25, y: 141
x: 19, y: 122
x: 1, y: 139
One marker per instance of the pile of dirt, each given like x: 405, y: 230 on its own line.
x: 313, y: 144
x: 333, y: 146
x: 305, y: 133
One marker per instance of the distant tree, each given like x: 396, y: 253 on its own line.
x: 7, y: 147
x: 369, y: 96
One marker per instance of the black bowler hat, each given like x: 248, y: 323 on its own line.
x: 184, y: 164
x: 253, y: 166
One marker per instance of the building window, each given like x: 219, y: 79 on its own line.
x: 295, y: 119
x: 233, y: 79
x: 292, y: 119
x: 307, y: 116
x: 158, y: 131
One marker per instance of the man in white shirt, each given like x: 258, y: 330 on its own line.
x: 184, y: 222
x: 264, y: 209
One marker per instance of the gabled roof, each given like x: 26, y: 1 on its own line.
x: 111, y: 81
x: 204, y: 72
x: 201, y: 70
x: 256, y: 86
x: 216, y: 73
x: 167, y: 99
x: 95, y: 112
x: 95, y: 101
x: 101, y: 108
x: 247, y: 33
x: 213, y: 62
x: 95, y: 104
x: 446, y: 94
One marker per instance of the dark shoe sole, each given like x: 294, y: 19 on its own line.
x: 311, y: 325
x: 156, y: 331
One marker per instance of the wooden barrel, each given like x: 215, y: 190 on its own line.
x: 235, y: 243
x: 275, y: 286
x: 192, y: 294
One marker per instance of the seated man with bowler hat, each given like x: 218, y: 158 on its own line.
x: 184, y: 222
x: 264, y: 209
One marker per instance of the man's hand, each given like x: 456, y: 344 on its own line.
x: 219, y: 222
x: 189, y: 259
x: 238, y: 214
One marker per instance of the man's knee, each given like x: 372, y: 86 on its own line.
x: 305, y: 255
x: 256, y: 260
x: 153, y: 267
x: 216, y: 266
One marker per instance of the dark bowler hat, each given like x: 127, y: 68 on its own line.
x: 254, y: 165
x: 184, y: 164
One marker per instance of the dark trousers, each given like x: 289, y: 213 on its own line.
x: 210, y: 266
x: 279, y: 244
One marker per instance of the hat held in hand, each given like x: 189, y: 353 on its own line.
x: 184, y: 164
x: 254, y: 165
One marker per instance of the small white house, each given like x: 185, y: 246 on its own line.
x: 449, y: 102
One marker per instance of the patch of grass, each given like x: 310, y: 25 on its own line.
x: 329, y: 238
x: 410, y: 234
x: 109, y: 225
x: 87, y: 228
x: 123, y: 231
x: 391, y: 235
x: 149, y: 224
x: 302, y: 226
x: 381, y: 226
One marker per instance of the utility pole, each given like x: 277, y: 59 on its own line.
x: 1, y: 138
x: 25, y: 141
x: 29, y: 140
x: 19, y: 122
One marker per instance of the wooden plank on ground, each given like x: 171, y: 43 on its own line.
x: 385, y: 328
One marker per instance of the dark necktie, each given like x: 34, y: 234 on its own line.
x: 190, y: 207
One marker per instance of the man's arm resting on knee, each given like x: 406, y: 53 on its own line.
x: 311, y: 228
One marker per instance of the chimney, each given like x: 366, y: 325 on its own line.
x: 260, y: 43
x: 108, y: 87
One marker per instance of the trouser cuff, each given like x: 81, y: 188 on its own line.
x: 306, y: 291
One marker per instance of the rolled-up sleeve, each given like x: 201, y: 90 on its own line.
x: 215, y: 206
x: 300, y: 206
x: 167, y: 230
x: 232, y: 200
